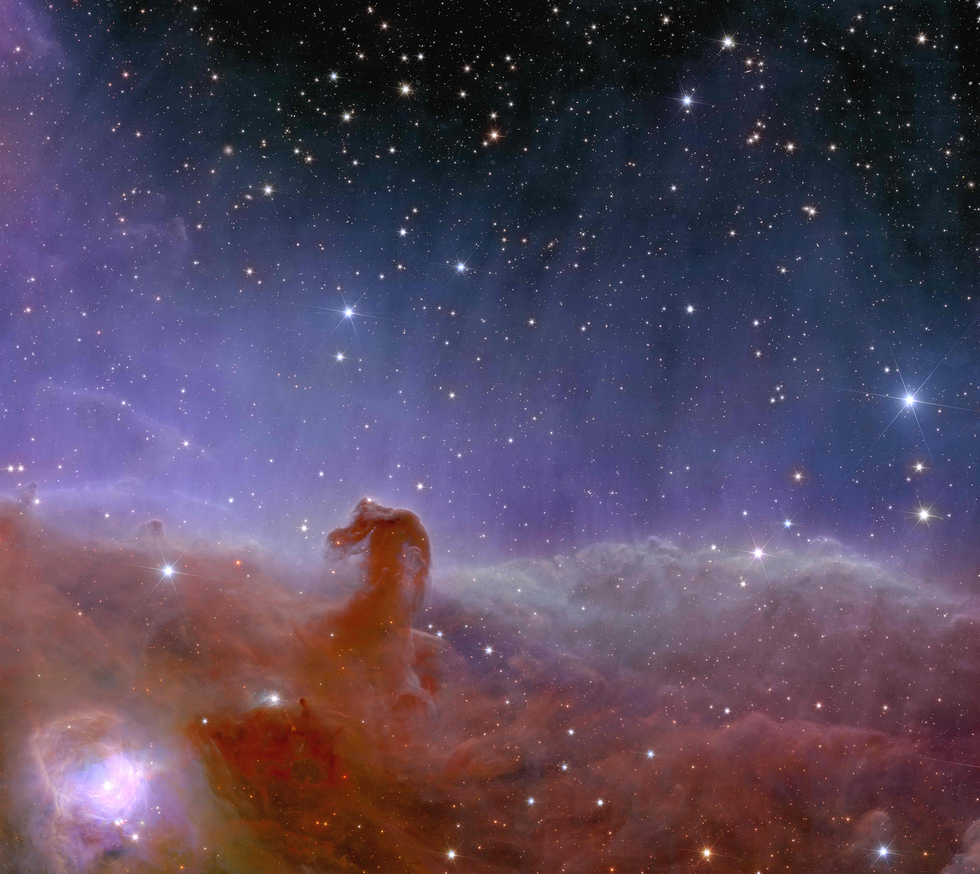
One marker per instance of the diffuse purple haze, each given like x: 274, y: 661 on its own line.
x: 627, y: 708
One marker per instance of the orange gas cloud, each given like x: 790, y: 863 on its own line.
x: 630, y: 708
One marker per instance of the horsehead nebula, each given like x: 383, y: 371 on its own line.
x: 650, y: 331
x: 596, y: 710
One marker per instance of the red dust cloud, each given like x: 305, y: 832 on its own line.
x: 630, y: 708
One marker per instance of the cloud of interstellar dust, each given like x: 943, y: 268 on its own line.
x: 629, y: 707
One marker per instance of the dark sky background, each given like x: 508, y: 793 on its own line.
x: 664, y: 322
x: 193, y: 195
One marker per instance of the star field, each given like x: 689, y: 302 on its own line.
x: 661, y: 321
x: 246, y: 243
